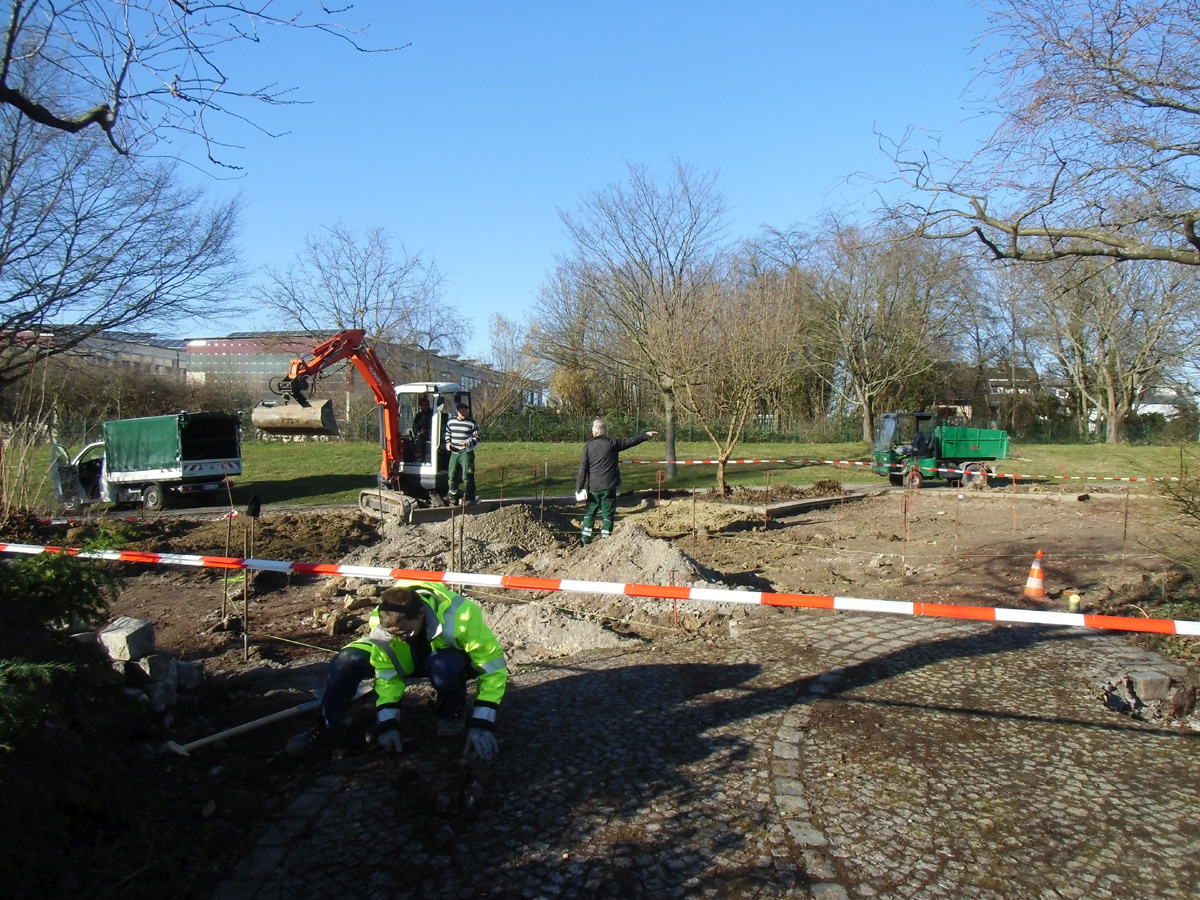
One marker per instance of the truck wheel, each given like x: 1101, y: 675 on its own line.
x: 912, y: 479
x: 973, y: 474
x: 154, y: 498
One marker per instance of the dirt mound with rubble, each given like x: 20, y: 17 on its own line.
x: 534, y: 626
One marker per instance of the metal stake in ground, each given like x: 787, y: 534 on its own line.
x: 246, y: 599
x: 225, y: 590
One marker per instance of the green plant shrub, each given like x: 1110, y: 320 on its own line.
x: 54, y: 784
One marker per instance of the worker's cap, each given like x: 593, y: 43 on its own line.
x: 423, y: 400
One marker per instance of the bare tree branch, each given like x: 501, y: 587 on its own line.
x: 1097, y: 148
x: 90, y: 241
x: 141, y: 69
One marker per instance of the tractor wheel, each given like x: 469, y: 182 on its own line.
x: 154, y: 497
x: 973, y: 474
x: 897, y: 480
x: 912, y: 479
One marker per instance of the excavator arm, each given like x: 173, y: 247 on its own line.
x: 295, y: 412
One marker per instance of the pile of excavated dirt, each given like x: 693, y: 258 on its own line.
x: 535, y: 626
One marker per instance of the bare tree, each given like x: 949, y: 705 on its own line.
x: 341, y: 280
x: 1097, y: 147
x: 90, y: 241
x: 641, y: 267
x: 138, y: 70
x: 1117, y: 329
x: 724, y: 382
x: 518, y: 372
x: 779, y: 258
x: 885, y: 312
x: 591, y: 363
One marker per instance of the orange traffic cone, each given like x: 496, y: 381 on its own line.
x: 1035, y: 586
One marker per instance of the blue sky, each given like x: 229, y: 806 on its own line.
x: 468, y: 142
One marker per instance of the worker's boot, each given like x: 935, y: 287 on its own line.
x: 309, y: 741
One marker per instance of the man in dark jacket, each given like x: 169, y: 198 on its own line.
x: 600, y: 471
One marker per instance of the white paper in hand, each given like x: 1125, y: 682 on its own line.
x: 581, y: 495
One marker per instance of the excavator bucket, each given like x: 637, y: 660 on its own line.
x: 282, y: 415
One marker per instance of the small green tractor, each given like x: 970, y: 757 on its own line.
x: 911, y: 447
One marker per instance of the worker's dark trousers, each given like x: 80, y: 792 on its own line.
x: 346, y: 670
x: 446, y: 669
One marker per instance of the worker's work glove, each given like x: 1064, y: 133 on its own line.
x: 387, y: 735
x: 581, y: 495
x: 481, y: 744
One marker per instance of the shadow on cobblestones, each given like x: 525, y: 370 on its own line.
x: 617, y: 779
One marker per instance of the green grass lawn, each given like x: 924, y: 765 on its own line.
x: 334, y: 472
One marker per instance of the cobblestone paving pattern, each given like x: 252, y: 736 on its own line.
x: 817, y: 755
x: 975, y: 761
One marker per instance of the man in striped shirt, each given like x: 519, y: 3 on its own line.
x: 461, y: 437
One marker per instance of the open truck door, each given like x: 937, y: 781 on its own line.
x: 80, y: 481
x: 64, y: 478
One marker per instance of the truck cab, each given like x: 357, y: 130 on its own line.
x: 901, y: 438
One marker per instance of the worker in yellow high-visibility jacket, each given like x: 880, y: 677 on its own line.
x: 421, y: 629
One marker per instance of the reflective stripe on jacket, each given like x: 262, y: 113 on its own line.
x: 392, y: 660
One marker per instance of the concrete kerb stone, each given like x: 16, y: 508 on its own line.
x: 127, y: 638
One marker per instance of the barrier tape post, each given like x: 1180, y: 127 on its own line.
x: 225, y: 588
x: 675, y: 604
x: 1125, y: 536
x: 1014, y: 501
x: 245, y: 603
x: 693, y: 518
x: 957, y: 503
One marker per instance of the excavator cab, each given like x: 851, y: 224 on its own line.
x: 424, y: 409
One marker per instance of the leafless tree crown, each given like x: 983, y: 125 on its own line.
x: 1098, y: 141
x: 140, y: 69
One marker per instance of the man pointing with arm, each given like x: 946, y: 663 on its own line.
x: 600, y: 471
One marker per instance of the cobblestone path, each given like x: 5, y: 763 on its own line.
x: 815, y: 755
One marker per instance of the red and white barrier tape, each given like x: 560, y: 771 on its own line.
x: 661, y: 592
x: 897, y: 466
x: 730, y: 462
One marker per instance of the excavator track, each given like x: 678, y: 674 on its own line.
x: 380, y: 503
